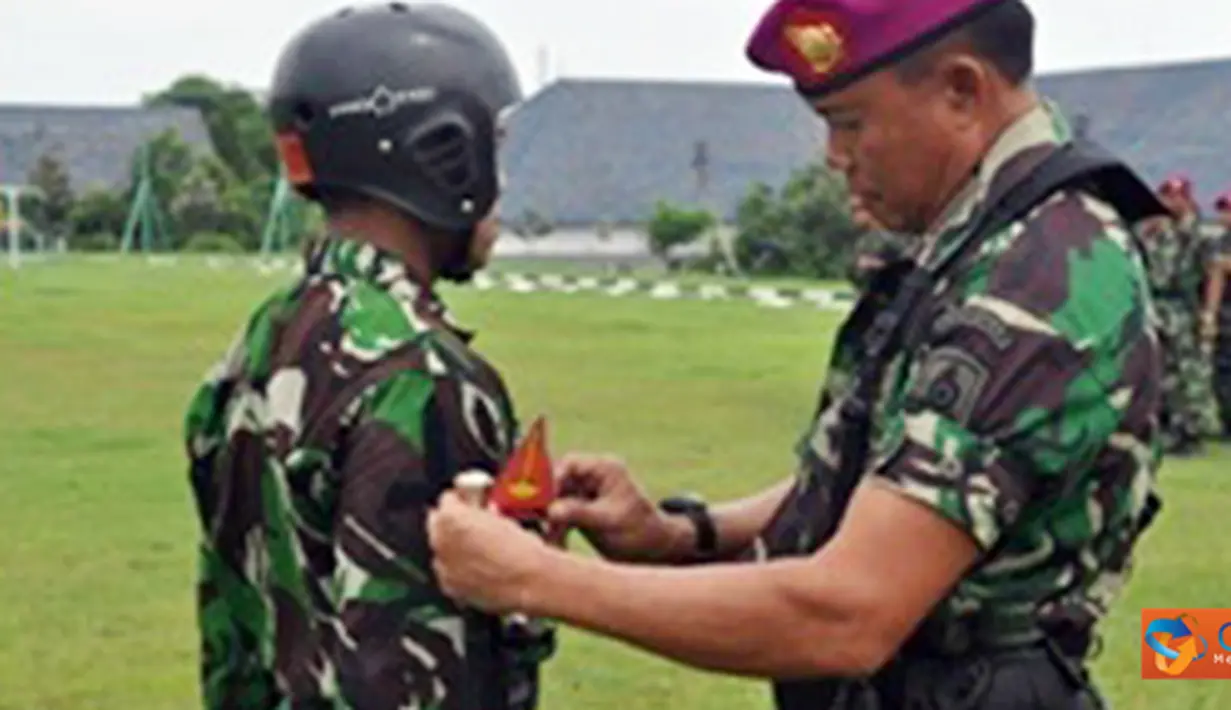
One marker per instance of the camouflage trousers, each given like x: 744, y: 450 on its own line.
x: 1222, y: 369
x: 1190, y: 410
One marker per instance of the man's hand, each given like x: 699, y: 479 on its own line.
x: 598, y: 496
x: 483, y: 558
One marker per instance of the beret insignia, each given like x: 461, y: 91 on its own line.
x: 819, y: 44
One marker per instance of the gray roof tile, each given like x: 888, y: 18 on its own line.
x: 581, y: 151
x: 96, y: 144
x: 1162, y: 119
x: 584, y: 151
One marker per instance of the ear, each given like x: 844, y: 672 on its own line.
x: 965, y: 85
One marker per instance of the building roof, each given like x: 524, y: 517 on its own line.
x: 580, y: 152
x: 585, y: 151
x: 96, y: 144
x: 1162, y: 119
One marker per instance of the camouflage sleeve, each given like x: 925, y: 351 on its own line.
x: 230, y: 611
x: 401, y: 640
x: 234, y: 675
x: 1025, y: 376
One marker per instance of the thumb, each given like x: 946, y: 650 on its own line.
x: 448, y: 499
x: 577, y: 512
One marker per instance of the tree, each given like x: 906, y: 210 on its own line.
x: 237, y: 125
x: 53, y: 210
x: 197, y: 206
x: 671, y: 226
x: 170, y: 161
x: 96, y: 220
x: 803, y: 230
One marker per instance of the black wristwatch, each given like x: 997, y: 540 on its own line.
x: 699, y: 513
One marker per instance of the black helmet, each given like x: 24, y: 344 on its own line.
x: 398, y: 102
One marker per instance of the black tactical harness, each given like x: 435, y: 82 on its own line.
x: 961, y: 673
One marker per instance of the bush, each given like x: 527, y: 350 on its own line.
x: 95, y: 242
x: 212, y: 243
x: 804, y: 229
x: 672, y: 226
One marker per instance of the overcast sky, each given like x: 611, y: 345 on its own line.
x: 113, y: 51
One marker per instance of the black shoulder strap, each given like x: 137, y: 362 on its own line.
x: 1078, y: 164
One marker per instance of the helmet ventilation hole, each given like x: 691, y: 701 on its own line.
x: 444, y: 153
x: 304, y: 114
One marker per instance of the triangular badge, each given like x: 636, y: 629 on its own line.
x: 526, y: 486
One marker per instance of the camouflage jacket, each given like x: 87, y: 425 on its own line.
x: 1221, y: 255
x: 1023, y: 412
x: 1177, y: 254
x: 317, y: 445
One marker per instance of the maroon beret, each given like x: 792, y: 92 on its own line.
x: 1177, y: 184
x: 826, y: 45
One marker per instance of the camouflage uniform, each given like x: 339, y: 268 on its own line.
x: 1207, y: 407
x: 1023, y: 411
x: 1222, y: 346
x: 1176, y: 267
x: 317, y: 445
x: 882, y: 244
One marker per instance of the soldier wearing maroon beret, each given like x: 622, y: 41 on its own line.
x: 1180, y: 256
x: 981, y: 460
x: 1218, y: 302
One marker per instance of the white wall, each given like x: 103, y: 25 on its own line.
x: 583, y: 241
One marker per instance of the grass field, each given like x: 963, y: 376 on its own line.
x: 97, y: 362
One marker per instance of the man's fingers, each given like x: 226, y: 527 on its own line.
x: 583, y: 477
x: 442, y: 521
x: 595, y: 472
x: 576, y: 466
x: 565, y: 511
x: 577, y: 513
x: 435, y: 523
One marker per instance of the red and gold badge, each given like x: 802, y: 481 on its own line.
x: 815, y: 39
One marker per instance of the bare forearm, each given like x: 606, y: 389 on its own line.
x: 740, y: 522
x: 737, y: 523
x: 751, y: 619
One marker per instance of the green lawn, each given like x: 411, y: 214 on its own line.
x: 98, y: 359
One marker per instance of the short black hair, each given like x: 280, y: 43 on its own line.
x: 1002, y: 34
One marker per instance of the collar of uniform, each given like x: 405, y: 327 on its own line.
x: 348, y: 258
x: 1041, y: 126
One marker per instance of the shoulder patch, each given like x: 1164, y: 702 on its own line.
x: 484, y: 421
x: 949, y: 382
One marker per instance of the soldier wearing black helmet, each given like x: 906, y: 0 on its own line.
x: 350, y: 399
